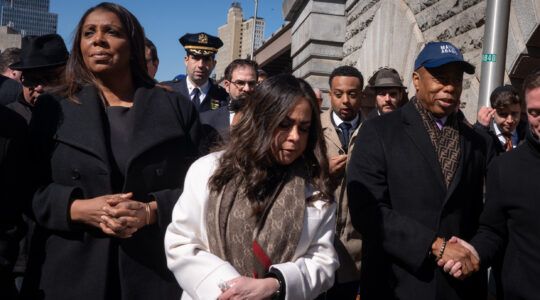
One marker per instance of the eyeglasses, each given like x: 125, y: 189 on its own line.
x: 33, y: 79
x: 240, y: 83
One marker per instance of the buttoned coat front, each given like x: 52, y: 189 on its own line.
x: 348, y: 242
x: 74, y: 261
x: 400, y: 204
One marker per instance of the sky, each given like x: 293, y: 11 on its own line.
x: 165, y: 21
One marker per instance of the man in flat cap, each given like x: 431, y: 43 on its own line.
x: 390, y: 93
x: 201, y: 49
x: 415, y: 180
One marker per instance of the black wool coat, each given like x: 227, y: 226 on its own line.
x: 399, y: 203
x: 510, y: 223
x: 74, y: 261
x: 15, y: 190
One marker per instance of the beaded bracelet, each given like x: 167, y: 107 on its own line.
x: 442, y: 250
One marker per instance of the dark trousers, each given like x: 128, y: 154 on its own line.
x: 343, y: 291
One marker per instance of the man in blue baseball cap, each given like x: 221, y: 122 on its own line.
x: 414, y: 180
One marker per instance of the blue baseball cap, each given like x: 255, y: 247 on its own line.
x: 436, y: 54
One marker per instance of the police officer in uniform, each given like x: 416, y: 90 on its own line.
x: 200, y: 61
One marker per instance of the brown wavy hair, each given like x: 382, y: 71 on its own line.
x: 77, y: 74
x: 248, y: 158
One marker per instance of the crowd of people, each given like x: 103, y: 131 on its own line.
x: 115, y: 186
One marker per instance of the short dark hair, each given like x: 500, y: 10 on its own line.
x: 153, y: 51
x: 346, y: 71
x: 240, y: 63
x: 9, y: 56
x: 532, y: 81
x: 504, y: 96
x: 262, y: 73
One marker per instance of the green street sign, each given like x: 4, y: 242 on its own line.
x: 489, y: 57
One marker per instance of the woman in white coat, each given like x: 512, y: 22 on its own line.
x: 256, y: 220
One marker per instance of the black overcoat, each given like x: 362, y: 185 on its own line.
x: 15, y: 190
x: 73, y: 261
x: 400, y: 204
x: 510, y: 221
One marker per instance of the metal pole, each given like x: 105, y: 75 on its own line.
x: 253, y: 28
x: 494, y: 48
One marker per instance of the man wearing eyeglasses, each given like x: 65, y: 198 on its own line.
x: 42, y: 63
x: 240, y: 81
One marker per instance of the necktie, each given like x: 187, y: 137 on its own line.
x: 196, y: 99
x: 345, y: 129
x: 509, y: 144
x: 439, y: 123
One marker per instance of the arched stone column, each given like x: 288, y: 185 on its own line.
x: 393, y: 39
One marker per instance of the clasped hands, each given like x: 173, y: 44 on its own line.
x: 116, y: 215
x: 459, y: 258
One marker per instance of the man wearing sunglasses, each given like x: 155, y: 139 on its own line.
x: 42, y: 62
x: 240, y: 81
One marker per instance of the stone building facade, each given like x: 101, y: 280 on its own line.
x: 237, y: 37
x: 370, y: 34
x: 9, y: 38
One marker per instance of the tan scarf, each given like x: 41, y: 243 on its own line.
x: 253, y: 244
x: 445, y: 141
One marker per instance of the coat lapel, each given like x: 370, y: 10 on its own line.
x: 82, y: 123
x: 151, y: 121
x: 329, y: 131
x: 414, y: 127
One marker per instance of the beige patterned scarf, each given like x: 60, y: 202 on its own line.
x: 250, y: 243
x: 445, y: 141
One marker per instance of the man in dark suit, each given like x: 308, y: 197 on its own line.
x: 10, y: 80
x: 240, y: 81
x: 502, y: 121
x: 509, y: 225
x: 201, y: 49
x: 415, y: 179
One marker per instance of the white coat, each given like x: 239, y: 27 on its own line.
x: 199, y: 272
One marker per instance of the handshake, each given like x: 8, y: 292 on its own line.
x: 456, y: 257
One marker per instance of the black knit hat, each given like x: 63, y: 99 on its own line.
x: 39, y: 52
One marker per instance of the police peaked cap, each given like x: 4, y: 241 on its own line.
x: 200, y: 44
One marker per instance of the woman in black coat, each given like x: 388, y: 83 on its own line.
x: 113, y: 150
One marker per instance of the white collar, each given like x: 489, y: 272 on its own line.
x: 337, y: 120
x: 203, y: 88
x: 501, y: 137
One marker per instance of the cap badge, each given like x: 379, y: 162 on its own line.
x: 203, y: 38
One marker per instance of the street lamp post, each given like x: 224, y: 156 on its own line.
x: 254, y: 26
x: 494, y: 49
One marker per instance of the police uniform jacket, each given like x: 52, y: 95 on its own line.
x: 215, y: 98
x: 75, y: 261
x: 348, y: 242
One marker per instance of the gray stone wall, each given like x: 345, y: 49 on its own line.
x: 455, y: 21
x: 9, y: 38
x: 370, y: 34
